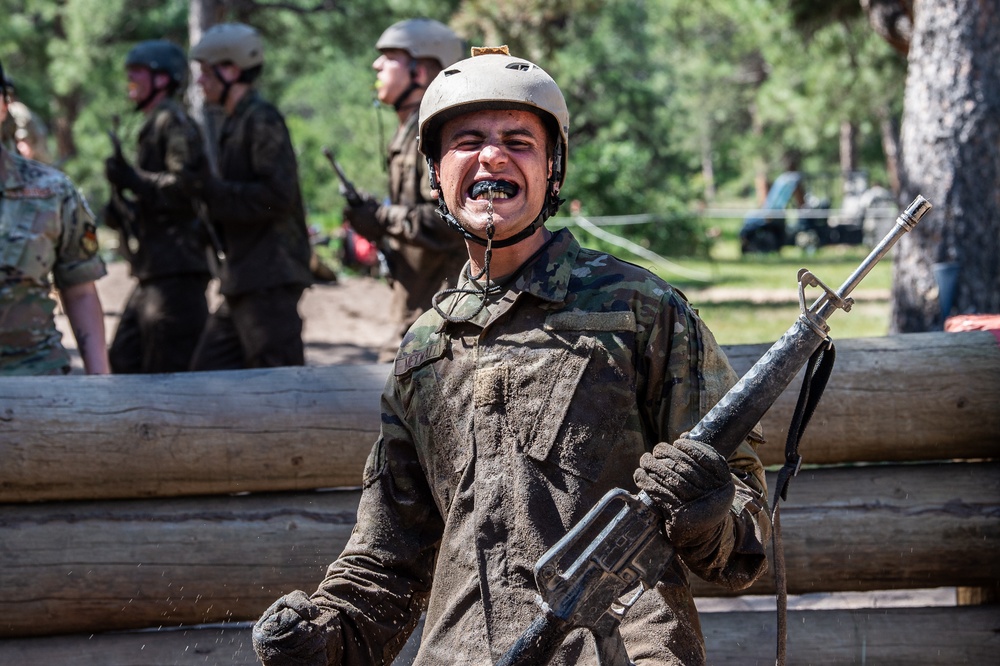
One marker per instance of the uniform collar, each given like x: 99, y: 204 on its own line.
x: 546, y: 276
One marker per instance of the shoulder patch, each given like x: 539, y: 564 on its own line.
x: 89, y: 239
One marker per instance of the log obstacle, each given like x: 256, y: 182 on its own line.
x: 929, y: 396
x: 884, y: 636
x: 162, y: 502
x: 93, y: 566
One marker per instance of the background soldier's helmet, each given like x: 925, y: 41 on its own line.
x: 234, y: 43
x: 493, y: 81
x: 160, y: 55
x: 423, y: 38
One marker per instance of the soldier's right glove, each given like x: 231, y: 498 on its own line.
x: 364, y: 219
x: 691, y: 485
x: 296, y: 632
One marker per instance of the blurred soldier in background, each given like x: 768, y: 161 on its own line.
x: 46, y: 229
x: 257, y: 203
x: 23, y: 132
x: 161, y: 234
x: 423, y: 254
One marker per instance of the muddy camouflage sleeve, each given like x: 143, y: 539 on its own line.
x: 380, y: 584
x: 684, y: 383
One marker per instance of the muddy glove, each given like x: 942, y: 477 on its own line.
x: 690, y: 483
x: 364, y: 219
x: 121, y: 174
x: 296, y: 632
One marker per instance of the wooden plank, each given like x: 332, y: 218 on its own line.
x: 885, y: 636
x: 925, y: 396
x: 98, y: 566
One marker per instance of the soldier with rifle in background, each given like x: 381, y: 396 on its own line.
x: 421, y: 253
x: 152, y: 207
x: 256, y: 201
x: 542, y: 382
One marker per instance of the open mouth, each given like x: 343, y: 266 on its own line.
x: 501, y: 189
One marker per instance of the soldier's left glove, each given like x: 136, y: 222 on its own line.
x: 691, y: 485
x: 121, y: 174
x: 296, y: 632
x: 364, y: 219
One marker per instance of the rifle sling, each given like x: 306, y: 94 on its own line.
x: 813, y: 383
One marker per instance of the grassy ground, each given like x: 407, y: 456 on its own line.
x: 730, y: 287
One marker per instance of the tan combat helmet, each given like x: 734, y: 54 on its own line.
x: 234, y: 43
x: 423, y: 38
x: 493, y: 79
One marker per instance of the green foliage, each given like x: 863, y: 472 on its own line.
x: 657, y: 89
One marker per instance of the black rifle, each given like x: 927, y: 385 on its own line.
x: 620, y: 548
x: 346, y: 186
x: 123, y: 207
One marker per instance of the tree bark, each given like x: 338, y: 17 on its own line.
x: 951, y: 155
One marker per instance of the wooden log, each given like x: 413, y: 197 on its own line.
x: 885, y: 636
x: 927, y: 396
x: 884, y: 527
x: 187, y: 434
x: 923, y: 396
x: 98, y: 566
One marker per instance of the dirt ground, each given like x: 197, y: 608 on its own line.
x: 343, y: 323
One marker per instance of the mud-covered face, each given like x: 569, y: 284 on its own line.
x: 499, y: 154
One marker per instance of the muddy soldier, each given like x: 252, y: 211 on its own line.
x: 422, y: 253
x: 46, y: 229
x: 514, y: 406
x: 257, y: 204
x: 162, y: 237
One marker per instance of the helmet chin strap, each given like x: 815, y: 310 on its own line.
x: 399, y: 104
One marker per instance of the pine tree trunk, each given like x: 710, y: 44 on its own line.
x: 202, y: 15
x: 951, y: 155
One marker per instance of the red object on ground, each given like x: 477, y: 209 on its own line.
x: 974, y: 322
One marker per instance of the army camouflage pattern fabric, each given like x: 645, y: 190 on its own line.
x: 500, y: 433
x: 46, y: 228
x: 424, y: 254
x: 258, y: 204
x: 170, y: 237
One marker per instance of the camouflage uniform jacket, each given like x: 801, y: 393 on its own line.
x: 46, y: 228
x: 170, y: 238
x: 422, y: 251
x: 499, y: 434
x: 258, y: 203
